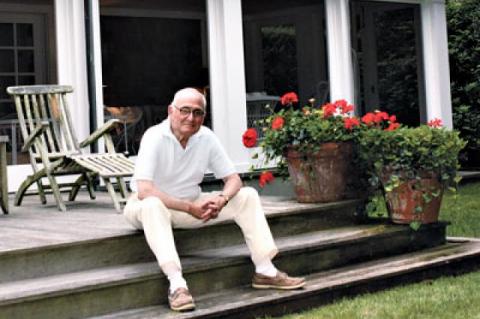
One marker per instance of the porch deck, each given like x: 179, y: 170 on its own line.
x: 34, y: 225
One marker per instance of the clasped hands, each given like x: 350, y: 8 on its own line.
x: 207, y: 208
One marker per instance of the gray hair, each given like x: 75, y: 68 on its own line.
x: 189, y: 92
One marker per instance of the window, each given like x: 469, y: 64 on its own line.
x: 23, y: 61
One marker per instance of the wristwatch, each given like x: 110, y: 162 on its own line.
x: 227, y: 198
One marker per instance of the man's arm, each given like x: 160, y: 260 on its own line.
x: 232, y: 185
x: 146, y: 188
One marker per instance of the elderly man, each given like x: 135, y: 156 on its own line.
x: 173, y: 158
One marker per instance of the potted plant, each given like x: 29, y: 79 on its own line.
x: 312, y: 145
x: 413, y: 167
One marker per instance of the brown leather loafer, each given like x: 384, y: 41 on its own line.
x: 280, y: 281
x: 181, y: 300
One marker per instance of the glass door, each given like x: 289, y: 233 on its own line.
x: 388, y: 63
x: 285, y: 50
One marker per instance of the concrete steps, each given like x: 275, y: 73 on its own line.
x: 325, y: 286
x: 112, y: 288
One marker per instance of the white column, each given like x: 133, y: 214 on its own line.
x: 227, y: 78
x: 435, y: 60
x: 339, y: 53
x: 71, y: 60
x: 97, y: 62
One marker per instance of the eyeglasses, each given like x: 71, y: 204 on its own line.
x: 187, y: 110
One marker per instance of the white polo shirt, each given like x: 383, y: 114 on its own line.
x: 175, y: 170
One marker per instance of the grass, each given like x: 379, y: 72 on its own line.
x: 447, y: 297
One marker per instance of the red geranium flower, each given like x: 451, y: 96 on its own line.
x: 329, y: 109
x: 265, y: 178
x: 392, y: 127
x: 277, y: 123
x: 250, y: 138
x: 392, y: 119
x: 381, y: 116
x: 435, y: 123
x: 368, y: 118
x: 350, y: 122
x: 344, y: 106
x: 289, y: 98
x: 341, y: 103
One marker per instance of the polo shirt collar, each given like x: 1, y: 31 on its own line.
x: 166, y: 130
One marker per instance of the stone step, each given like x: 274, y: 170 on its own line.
x: 130, y: 246
x: 115, y: 288
x: 455, y: 257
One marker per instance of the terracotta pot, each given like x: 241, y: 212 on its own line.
x: 403, y: 200
x: 321, y: 176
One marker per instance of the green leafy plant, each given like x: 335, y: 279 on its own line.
x: 304, y: 128
x: 412, y: 151
x: 397, y: 156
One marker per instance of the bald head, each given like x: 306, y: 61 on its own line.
x: 189, y: 93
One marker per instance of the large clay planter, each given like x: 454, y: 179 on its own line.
x: 403, y: 200
x: 321, y: 176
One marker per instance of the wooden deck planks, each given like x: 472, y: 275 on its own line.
x: 35, y: 225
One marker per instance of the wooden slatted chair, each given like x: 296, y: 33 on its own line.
x: 3, y: 174
x: 49, y: 137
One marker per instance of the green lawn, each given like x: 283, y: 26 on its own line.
x: 444, y: 298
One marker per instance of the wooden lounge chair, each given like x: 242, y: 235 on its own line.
x: 3, y: 174
x: 48, y: 135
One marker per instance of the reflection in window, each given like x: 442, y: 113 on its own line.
x: 386, y: 39
x: 24, y: 34
x: 279, y: 51
x: 146, y: 59
x: 284, y: 46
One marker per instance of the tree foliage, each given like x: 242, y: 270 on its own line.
x: 464, y: 47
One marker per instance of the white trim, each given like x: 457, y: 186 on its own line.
x: 227, y: 78
x: 339, y: 53
x: 435, y: 60
x: 97, y: 70
x: 71, y: 60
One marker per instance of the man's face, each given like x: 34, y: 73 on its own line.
x: 186, y: 115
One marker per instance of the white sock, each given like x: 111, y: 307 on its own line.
x: 176, y: 281
x: 266, y: 268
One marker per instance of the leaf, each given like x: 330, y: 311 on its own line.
x: 415, y: 225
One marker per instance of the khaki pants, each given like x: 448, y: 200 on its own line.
x: 156, y: 220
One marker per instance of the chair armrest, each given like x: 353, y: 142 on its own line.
x: 36, y: 133
x: 104, y: 129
